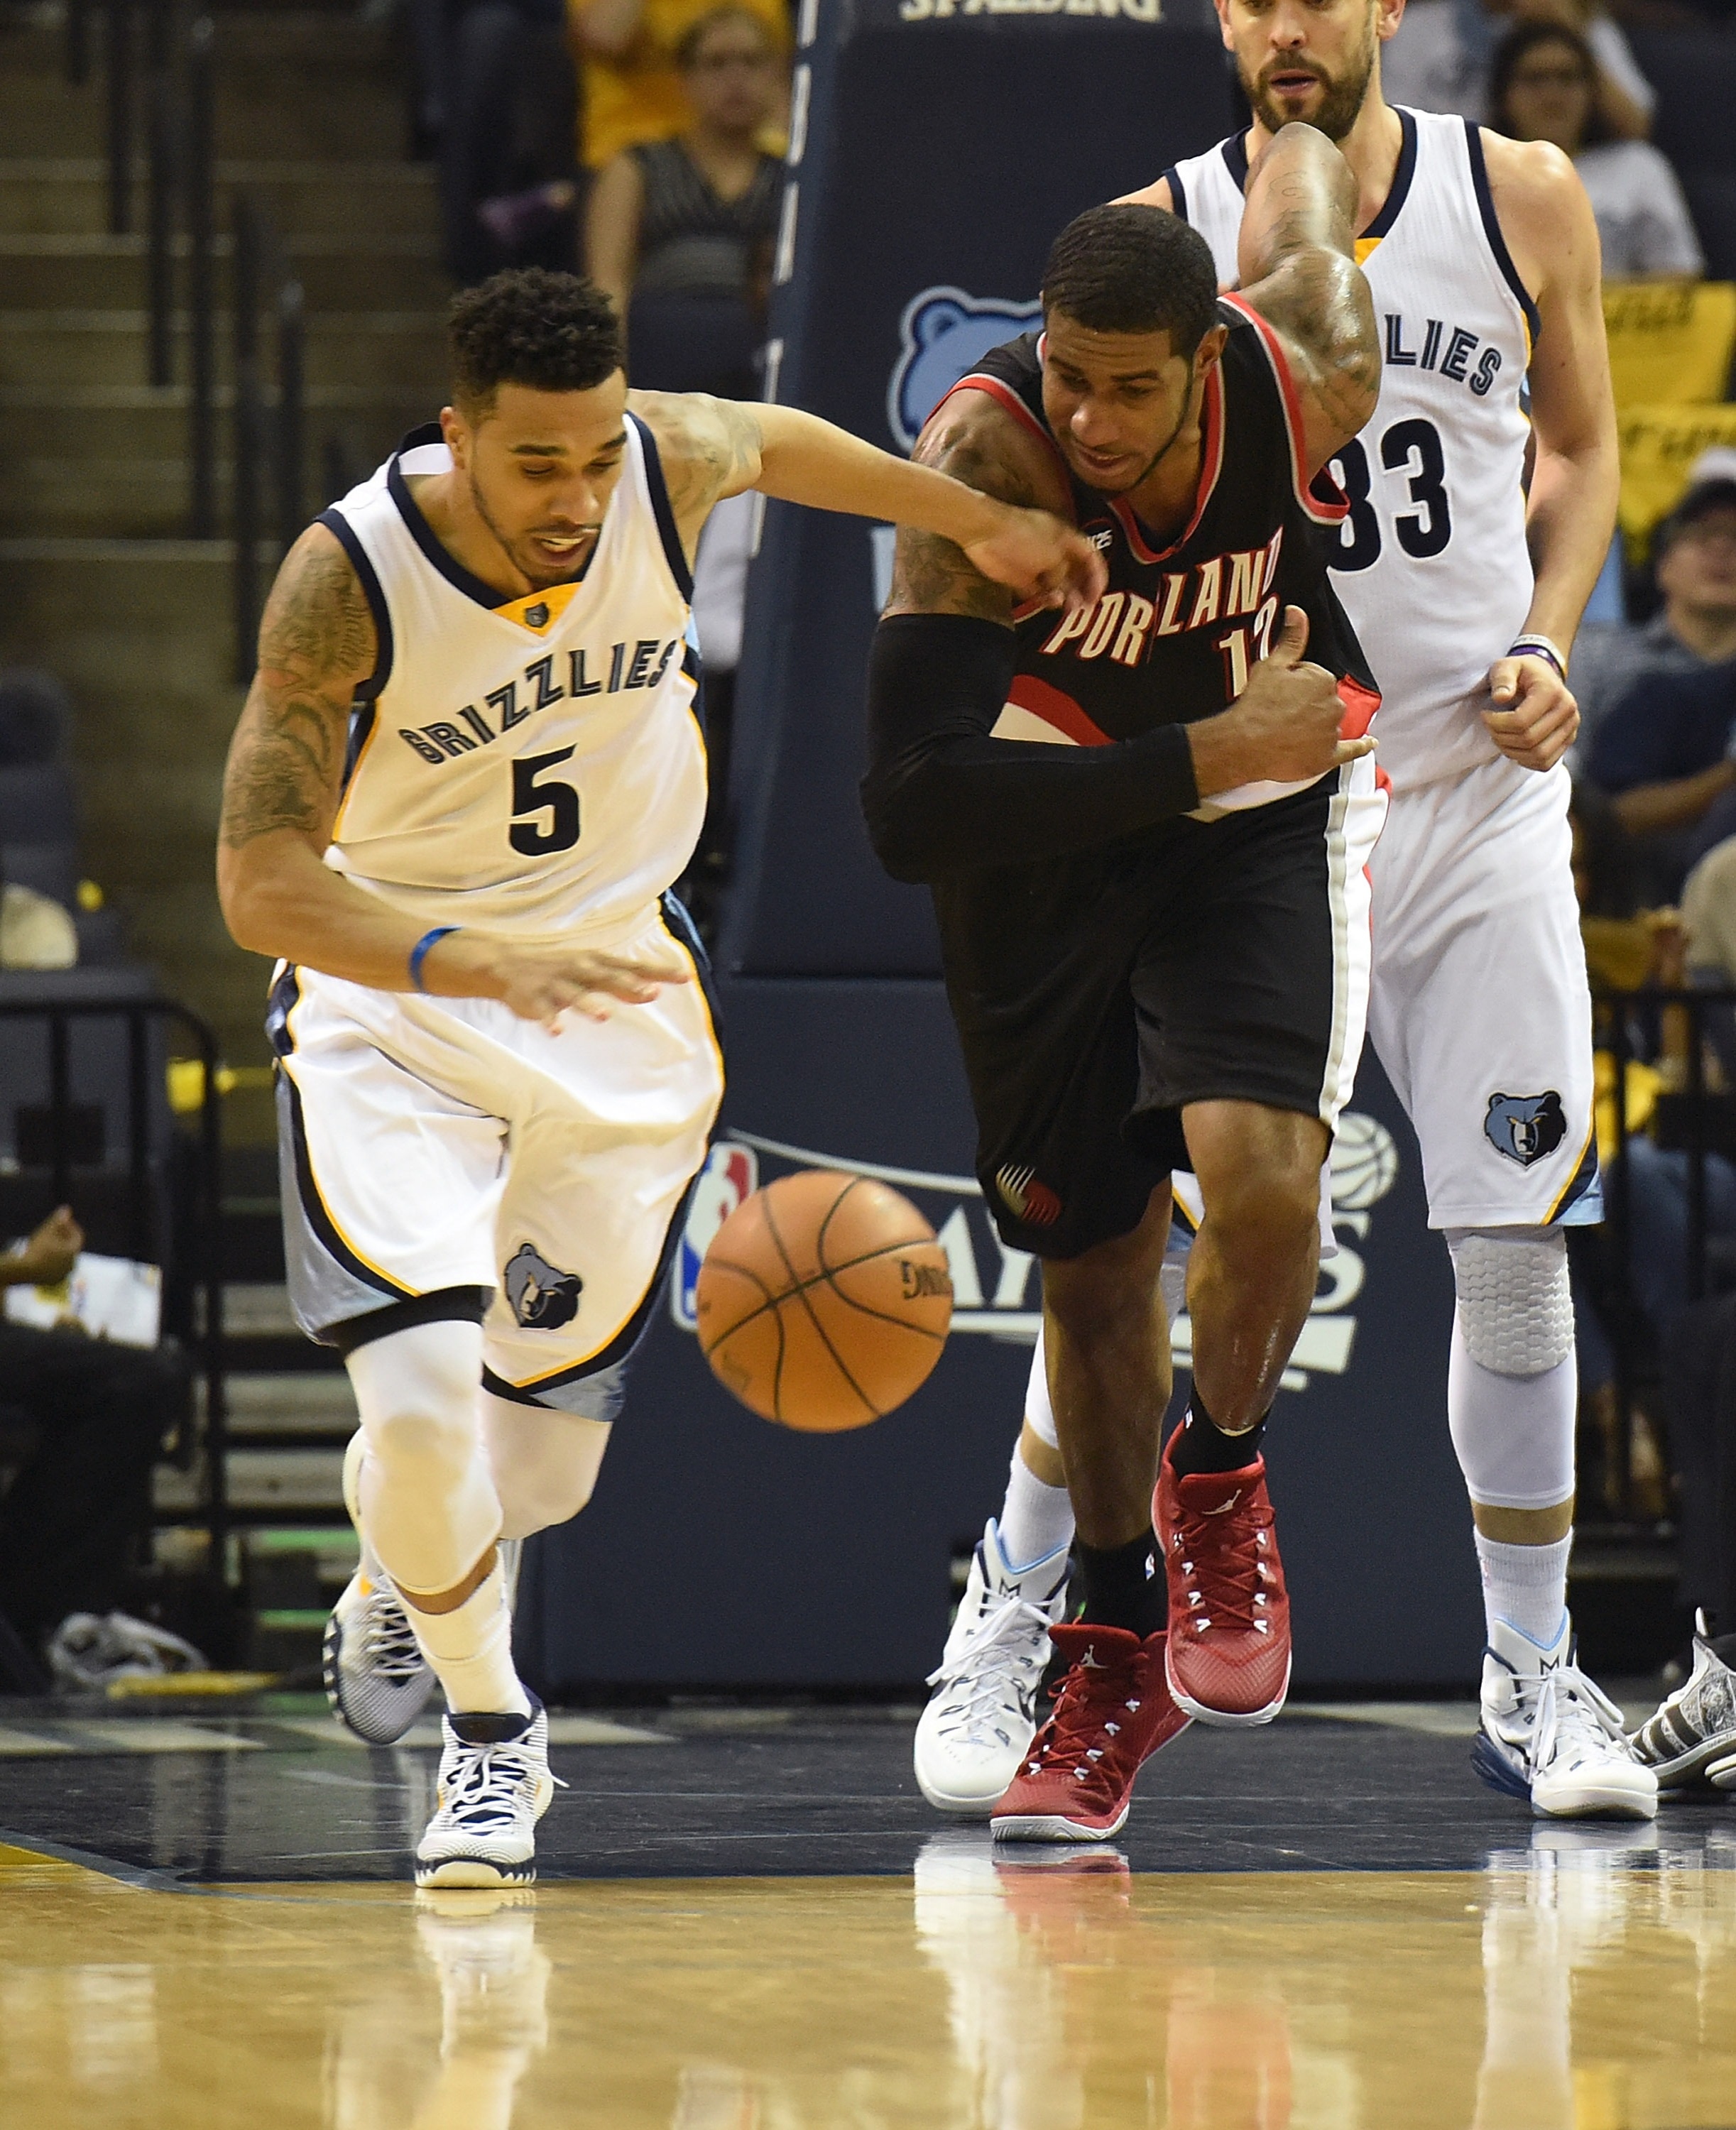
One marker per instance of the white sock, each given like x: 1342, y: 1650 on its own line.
x: 471, y: 1650
x: 1526, y: 1586
x: 1036, y: 1519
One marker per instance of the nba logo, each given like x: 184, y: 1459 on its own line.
x: 731, y: 1174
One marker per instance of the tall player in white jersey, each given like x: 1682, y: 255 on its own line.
x: 467, y: 775
x: 1464, y: 591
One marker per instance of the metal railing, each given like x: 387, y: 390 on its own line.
x: 163, y: 69
x: 267, y: 436
x: 191, y: 1237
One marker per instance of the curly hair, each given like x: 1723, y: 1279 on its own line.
x: 1130, y: 269
x: 553, y: 332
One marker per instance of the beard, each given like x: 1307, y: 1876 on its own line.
x: 520, y: 554
x: 1342, y: 98
x: 1150, y: 466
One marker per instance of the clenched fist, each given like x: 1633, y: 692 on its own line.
x: 1283, y: 729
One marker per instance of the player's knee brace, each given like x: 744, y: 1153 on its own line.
x: 1515, y: 1301
x: 1512, y: 1392
x: 428, y: 1506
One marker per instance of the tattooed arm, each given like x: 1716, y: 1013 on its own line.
x: 1298, y: 260
x: 712, y: 448
x: 316, y: 645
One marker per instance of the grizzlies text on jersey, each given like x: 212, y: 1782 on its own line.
x: 529, y: 764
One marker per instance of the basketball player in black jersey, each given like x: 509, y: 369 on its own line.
x: 1146, y: 827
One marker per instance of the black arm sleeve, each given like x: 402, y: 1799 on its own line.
x: 941, y: 797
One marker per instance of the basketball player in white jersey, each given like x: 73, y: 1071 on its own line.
x: 466, y: 774
x: 1483, y: 258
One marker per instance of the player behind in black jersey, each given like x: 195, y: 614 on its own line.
x: 1145, y: 828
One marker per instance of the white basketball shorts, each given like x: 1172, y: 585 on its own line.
x: 1480, y: 1010
x: 434, y: 1144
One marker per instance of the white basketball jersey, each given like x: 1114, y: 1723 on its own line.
x: 1431, y: 564
x: 529, y: 764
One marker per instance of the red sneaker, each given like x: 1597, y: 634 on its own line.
x: 1112, y: 1711
x: 1229, y: 1653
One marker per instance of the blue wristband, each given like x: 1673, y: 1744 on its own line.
x: 418, y: 952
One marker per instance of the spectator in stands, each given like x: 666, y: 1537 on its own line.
x: 1693, y: 561
x: 633, y: 90
x: 1440, y: 59
x: 83, y: 1422
x: 680, y: 231
x: 1544, y: 85
x: 1663, y: 754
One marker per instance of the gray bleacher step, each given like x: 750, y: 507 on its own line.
x: 288, y: 1482
x: 257, y: 1309
x: 292, y: 1403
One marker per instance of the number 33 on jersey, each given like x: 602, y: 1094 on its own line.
x: 539, y: 759
x: 1431, y: 564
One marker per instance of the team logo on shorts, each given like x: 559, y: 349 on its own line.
x: 543, y: 1297
x: 1029, y: 1201
x: 1526, y: 1127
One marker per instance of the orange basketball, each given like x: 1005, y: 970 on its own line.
x: 824, y: 1300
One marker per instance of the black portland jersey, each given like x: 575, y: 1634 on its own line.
x: 1177, y: 631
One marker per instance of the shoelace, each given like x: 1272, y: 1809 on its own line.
x: 1574, y: 1717
x: 1079, y: 1735
x: 483, y: 1789
x: 1224, y: 1563
x: 1004, y: 1639
x: 389, y: 1641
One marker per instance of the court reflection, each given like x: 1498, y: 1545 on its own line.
x: 1585, y: 1981
x: 492, y: 1977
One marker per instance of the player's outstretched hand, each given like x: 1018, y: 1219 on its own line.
x: 543, y: 983
x: 1039, y: 558
x: 1535, y: 717
x: 1283, y: 727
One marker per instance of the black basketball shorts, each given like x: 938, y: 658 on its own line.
x: 1097, y: 996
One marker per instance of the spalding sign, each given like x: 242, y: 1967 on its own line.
x: 945, y: 335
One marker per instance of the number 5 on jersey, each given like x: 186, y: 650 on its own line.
x: 535, y: 796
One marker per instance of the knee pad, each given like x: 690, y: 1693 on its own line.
x: 1515, y: 1301
x: 420, y: 1478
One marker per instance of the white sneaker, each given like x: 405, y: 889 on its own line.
x: 493, y: 1789
x: 377, y: 1679
x: 974, y: 1733
x: 1549, y: 1735
x: 1693, y: 1734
